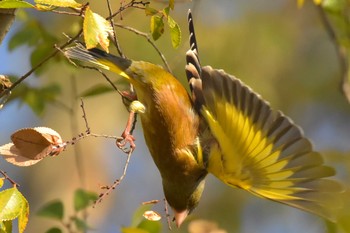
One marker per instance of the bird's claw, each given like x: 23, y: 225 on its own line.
x: 125, y: 139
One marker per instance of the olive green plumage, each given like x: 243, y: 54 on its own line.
x: 224, y: 128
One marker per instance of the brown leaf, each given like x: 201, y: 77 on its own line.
x: 31, y: 145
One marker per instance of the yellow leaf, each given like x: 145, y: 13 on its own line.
x: 59, y: 3
x: 96, y: 30
x: 317, y: 2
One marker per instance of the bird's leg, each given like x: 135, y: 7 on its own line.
x: 127, y: 137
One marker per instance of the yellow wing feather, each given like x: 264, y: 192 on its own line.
x: 263, y: 151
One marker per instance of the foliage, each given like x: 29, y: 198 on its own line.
x: 77, y: 222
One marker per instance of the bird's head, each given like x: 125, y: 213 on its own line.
x: 183, y: 198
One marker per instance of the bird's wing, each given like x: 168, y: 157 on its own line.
x: 261, y: 150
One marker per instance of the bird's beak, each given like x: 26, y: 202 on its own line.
x: 180, y: 216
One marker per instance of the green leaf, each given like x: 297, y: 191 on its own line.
x: 133, y: 230
x: 96, y: 30
x: 59, y: 3
x: 166, y: 11
x: 175, y: 33
x: 335, y: 6
x: 53, y: 209
x: 97, y: 90
x: 15, y: 4
x: 5, y: 226
x: 81, y: 225
x: 29, y: 34
x: 37, y: 56
x: 83, y: 199
x: 150, y: 11
x: 54, y: 230
x: 10, y: 204
x: 157, y: 26
x: 137, y: 217
x: 37, y: 98
x: 151, y: 226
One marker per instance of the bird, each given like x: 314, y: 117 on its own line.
x: 219, y: 127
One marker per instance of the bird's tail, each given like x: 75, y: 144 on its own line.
x: 193, y: 67
x: 98, y: 58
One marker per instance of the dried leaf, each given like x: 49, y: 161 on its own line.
x: 152, y: 215
x: 31, y: 145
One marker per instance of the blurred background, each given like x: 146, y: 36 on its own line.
x: 283, y: 52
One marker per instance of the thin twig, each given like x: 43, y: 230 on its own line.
x: 116, y: 182
x: 54, y: 53
x: 9, y: 178
x: 130, y: 4
x: 341, y: 53
x: 84, y: 116
x: 74, y: 128
x: 150, y: 202
x: 114, y: 36
x: 104, y: 75
x: 66, y: 13
x: 148, y: 38
x: 167, y: 215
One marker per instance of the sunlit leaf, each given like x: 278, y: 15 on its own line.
x: 52, y: 210
x: 96, y: 30
x: 175, y: 32
x: 59, y: 3
x: 97, y: 90
x: 15, y: 4
x: 12, y: 205
x: 83, y: 199
x: 23, y: 215
x: 2, y: 180
x: 157, y: 26
x: 6, y: 226
x: 150, y: 11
